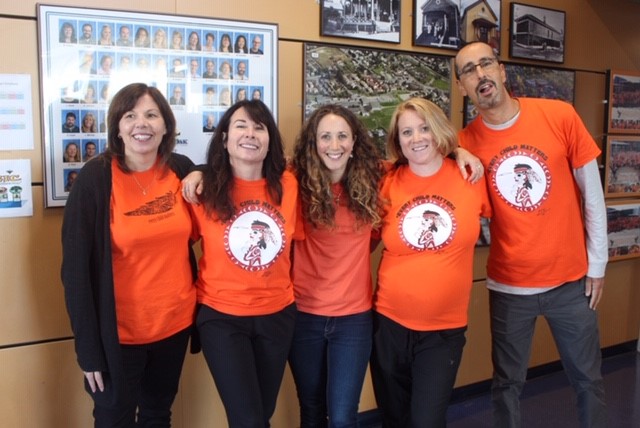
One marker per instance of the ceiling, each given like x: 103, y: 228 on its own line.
x: 621, y: 18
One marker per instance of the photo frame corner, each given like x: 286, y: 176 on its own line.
x: 525, y: 40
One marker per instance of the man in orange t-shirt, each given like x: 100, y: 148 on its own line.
x: 545, y: 191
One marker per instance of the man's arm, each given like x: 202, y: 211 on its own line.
x: 595, y: 219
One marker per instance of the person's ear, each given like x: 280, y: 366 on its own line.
x: 224, y: 137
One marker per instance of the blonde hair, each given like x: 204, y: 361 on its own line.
x: 444, y: 134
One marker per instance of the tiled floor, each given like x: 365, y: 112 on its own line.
x: 549, y: 402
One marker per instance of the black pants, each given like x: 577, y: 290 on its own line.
x: 152, y: 373
x: 413, y: 373
x: 246, y: 357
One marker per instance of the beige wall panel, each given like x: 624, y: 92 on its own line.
x: 28, y: 7
x: 31, y: 291
x: 42, y: 387
x: 619, y: 312
x: 290, y: 71
x: 589, y: 102
x: 20, y: 37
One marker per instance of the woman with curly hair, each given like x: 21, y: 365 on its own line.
x: 338, y: 170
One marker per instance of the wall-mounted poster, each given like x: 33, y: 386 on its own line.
x: 623, y: 229
x: 623, y: 101
x: 451, y: 24
x: 361, y: 19
x: 371, y: 82
x: 201, y: 65
x: 537, y: 33
x: 622, y: 166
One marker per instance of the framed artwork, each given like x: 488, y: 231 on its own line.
x: 623, y: 100
x: 360, y: 79
x: 361, y: 19
x: 87, y: 55
x: 623, y: 229
x: 533, y: 81
x: 537, y: 33
x: 622, y: 166
x: 451, y: 24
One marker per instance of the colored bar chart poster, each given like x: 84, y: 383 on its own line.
x: 16, y: 117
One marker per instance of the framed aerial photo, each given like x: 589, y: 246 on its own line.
x: 537, y: 33
x: 372, y: 82
x: 623, y: 101
x: 622, y: 166
x: 201, y: 65
x: 623, y: 229
x: 451, y: 24
x: 533, y: 81
x: 361, y: 19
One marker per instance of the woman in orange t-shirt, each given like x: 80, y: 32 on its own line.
x: 246, y: 219
x: 430, y: 225
x: 338, y: 170
x: 128, y: 268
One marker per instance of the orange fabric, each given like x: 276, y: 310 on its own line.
x: 429, y: 233
x: 537, y: 232
x: 332, y: 269
x: 245, y: 264
x: 155, y: 296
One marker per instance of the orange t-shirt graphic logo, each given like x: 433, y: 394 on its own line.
x: 522, y: 180
x: 254, y: 238
x: 427, y: 225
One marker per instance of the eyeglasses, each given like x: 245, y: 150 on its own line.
x: 486, y: 64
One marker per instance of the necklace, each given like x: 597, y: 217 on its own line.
x: 145, y: 188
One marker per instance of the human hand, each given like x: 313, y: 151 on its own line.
x: 594, y: 287
x: 95, y: 381
x: 470, y: 166
x: 192, y: 187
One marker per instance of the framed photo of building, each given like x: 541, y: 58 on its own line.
x: 623, y: 229
x: 361, y: 19
x: 537, y: 33
x: 201, y: 65
x: 372, y: 82
x: 533, y: 81
x: 622, y: 166
x: 623, y: 101
x: 451, y: 24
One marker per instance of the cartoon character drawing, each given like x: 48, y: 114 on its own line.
x: 258, y: 237
x: 524, y: 176
x: 428, y: 227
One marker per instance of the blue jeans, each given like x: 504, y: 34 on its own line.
x: 575, y: 330
x: 329, y: 359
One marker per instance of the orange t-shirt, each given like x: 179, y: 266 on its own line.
x: 537, y: 231
x: 155, y: 296
x: 332, y: 268
x: 245, y: 264
x: 429, y: 230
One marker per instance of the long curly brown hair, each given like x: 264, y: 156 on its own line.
x: 360, y: 181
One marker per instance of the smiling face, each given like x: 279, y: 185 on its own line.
x: 334, y: 144
x: 142, y: 128
x: 417, y: 143
x: 247, y: 141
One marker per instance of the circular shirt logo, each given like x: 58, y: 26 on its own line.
x: 254, y: 238
x: 522, y: 180
x: 427, y: 225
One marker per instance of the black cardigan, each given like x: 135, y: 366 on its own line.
x: 87, y: 274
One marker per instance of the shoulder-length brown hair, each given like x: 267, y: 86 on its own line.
x: 123, y: 102
x: 360, y: 181
x: 444, y: 134
x: 218, y: 174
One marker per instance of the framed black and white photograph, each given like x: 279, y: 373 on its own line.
x: 533, y: 81
x: 623, y: 229
x: 377, y: 20
x: 372, y: 82
x: 622, y: 166
x: 201, y: 66
x: 623, y: 102
x: 537, y: 33
x: 451, y: 24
